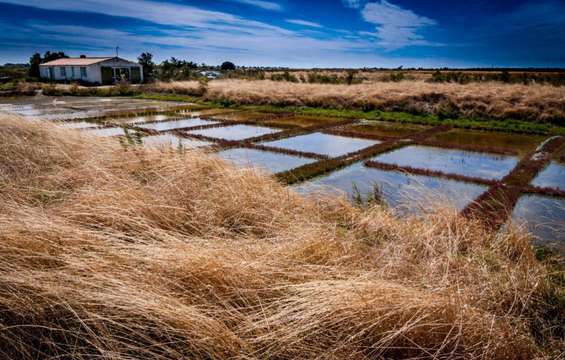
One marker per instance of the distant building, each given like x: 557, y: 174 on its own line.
x: 211, y: 74
x: 95, y: 70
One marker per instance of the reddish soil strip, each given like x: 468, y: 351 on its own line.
x: 298, y: 131
x: 222, y: 143
x: 425, y: 172
x: 322, y: 167
x: 548, y: 191
x: 469, y: 147
x: 358, y: 134
x: 215, y: 116
x: 285, y: 151
x: 495, y: 205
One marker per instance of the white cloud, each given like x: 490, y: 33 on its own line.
x: 267, y: 5
x: 304, y: 23
x: 396, y: 27
x: 353, y: 4
x: 196, y: 34
x: 154, y: 11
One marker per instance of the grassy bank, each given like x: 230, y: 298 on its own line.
x: 122, y: 253
x: 532, y: 109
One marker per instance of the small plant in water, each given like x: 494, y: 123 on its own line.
x: 376, y: 197
x: 180, y: 148
x: 130, y: 139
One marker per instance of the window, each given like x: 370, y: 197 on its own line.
x: 121, y: 74
x: 72, y: 72
x: 83, y: 72
x: 63, y: 71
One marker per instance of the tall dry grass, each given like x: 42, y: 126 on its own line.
x: 127, y: 254
x: 540, y: 103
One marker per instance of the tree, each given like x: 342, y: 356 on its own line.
x: 50, y: 56
x: 146, y: 60
x: 228, y: 66
x: 34, y: 62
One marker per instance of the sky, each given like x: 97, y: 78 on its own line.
x: 293, y: 33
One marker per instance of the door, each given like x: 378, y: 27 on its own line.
x: 107, y: 75
x: 51, y: 73
x: 135, y: 75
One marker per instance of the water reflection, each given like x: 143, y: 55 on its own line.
x: 171, y: 141
x: 177, y: 124
x: 544, y: 217
x: 324, y: 144
x: 406, y: 193
x: 269, y: 161
x: 236, y: 132
x: 468, y: 163
x: 106, y: 132
x: 552, y: 176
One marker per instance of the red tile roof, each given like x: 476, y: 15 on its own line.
x: 76, y: 61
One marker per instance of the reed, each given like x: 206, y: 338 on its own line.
x: 120, y: 254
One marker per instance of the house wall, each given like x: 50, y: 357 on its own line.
x: 72, y: 73
x: 93, y: 72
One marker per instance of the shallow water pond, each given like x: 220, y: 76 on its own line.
x: 168, y: 140
x: 520, y: 143
x: 303, y: 121
x: 138, y: 119
x: 77, y: 125
x: 177, y: 124
x: 211, y: 112
x: 235, y: 132
x: 106, y: 132
x: 406, y: 193
x: 468, y: 163
x: 243, y: 116
x: 544, y: 217
x: 324, y: 144
x: 553, y: 176
x: 269, y: 161
x: 68, y: 107
x: 386, y: 129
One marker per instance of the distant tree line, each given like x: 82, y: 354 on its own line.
x: 177, y: 69
x: 180, y: 69
x: 36, y: 59
x: 526, y: 78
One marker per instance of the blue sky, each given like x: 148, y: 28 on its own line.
x: 316, y: 33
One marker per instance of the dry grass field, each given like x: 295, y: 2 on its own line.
x: 536, y: 103
x: 122, y: 253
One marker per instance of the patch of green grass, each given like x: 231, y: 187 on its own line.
x: 515, y: 126
x: 47, y: 196
x: 166, y: 97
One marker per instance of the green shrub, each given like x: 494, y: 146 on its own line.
x: 397, y: 77
x: 285, y: 76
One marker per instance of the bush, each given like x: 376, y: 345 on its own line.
x: 349, y: 78
x: 285, y: 76
x: 447, y: 109
x: 397, y: 77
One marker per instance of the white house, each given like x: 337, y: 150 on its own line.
x: 95, y: 70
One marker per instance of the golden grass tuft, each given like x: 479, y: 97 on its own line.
x: 123, y: 254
